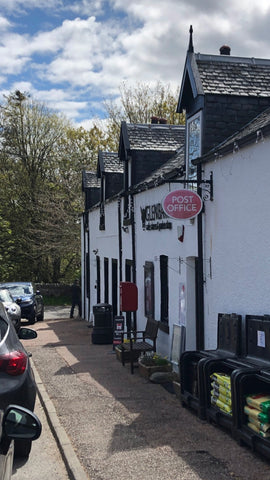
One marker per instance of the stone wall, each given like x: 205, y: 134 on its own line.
x: 54, y: 289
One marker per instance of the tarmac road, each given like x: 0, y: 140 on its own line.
x: 122, y: 426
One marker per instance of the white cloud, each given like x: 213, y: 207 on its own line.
x: 4, y: 24
x: 88, y: 56
x: 20, y: 6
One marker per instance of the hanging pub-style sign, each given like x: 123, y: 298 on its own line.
x: 182, y: 204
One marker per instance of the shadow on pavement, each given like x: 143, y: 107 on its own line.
x: 106, y: 409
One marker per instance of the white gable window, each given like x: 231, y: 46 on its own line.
x: 194, y: 132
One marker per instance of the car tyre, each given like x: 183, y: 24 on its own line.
x: 40, y: 317
x: 22, y: 448
x: 32, y: 319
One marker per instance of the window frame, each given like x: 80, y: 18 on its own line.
x: 149, y: 290
x: 164, y: 289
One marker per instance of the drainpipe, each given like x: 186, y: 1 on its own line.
x: 133, y: 233
x: 84, y: 281
x: 120, y: 240
x: 88, y: 273
x: 199, y: 275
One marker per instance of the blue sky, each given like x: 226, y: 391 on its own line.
x: 74, y: 54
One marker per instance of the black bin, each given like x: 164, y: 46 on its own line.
x: 254, y: 381
x: 251, y: 382
x: 103, y: 324
x: 242, y: 371
x: 229, y: 341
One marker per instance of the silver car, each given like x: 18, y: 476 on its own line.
x: 12, y: 308
x: 16, y: 423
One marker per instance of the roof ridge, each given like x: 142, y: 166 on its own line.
x: 231, y: 59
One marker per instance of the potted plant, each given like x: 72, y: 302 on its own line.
x: 152, y: 363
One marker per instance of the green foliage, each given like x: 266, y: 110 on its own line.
x: 6, y: 249
x: 153, y: 359
x: 139, y: 103
x: 56, y: 301
x: 41, y: 161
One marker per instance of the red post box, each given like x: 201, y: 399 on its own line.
x: 128, y: 297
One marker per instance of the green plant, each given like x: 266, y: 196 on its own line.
x: 56, y: 301
x: 154, y: 359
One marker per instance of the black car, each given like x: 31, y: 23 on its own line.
x: 17, y: 383
x: 16, y: 423
x: 30, y: 301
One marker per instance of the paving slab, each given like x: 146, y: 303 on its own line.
x: 121, y: 425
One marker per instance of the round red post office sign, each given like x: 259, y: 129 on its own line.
x: 182, y: 204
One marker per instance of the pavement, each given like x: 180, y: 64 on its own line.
x: 111, y: 425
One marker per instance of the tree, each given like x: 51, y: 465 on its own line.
x: 139, y: 104
x: 42, y: 157
x: 41, y: 161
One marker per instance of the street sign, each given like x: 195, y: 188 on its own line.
x: 182, y: 204
x: 119, y: 322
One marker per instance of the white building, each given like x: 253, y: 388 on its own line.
x: 237, y: 226
x: 130, y: 238
x: 187, y: 271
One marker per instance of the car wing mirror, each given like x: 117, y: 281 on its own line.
x: 19, y: 422
x: 27, y: 333
x: 19, y: 301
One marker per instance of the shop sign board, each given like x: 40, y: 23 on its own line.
x: 119, y: 323
x: 182, y: 204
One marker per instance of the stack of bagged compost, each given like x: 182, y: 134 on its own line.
x: 257, y: 409
x: 221, y: 392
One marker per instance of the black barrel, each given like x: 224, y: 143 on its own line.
x: 103, y: 324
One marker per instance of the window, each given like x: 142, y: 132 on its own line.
x: 87, y: 274
x: 114, y: 286
x: 102, y: 205
x: 194, y: 128
x: 106, y: 280
x: 102, y: 217
x: 129, y: 270
x: 3, y: 328
x: 164, y: 289
x: 149, y: 295
x: 128, y: 200
x: 98, y: 279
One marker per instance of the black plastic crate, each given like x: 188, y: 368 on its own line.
x: 229, y: 344
x: 256, y: 357
x: 230, y: 367
x: 251, y: 383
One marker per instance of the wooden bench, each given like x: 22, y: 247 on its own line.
x: 140, y: 341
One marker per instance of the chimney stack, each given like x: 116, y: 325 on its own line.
x: 158, y: 120
x: 225, y: 50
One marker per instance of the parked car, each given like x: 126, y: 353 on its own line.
x: 12, y: 308
x: 30, y: 301
x: 16, y: 423
x: 17, y: 383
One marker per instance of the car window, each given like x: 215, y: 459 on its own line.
x: 3, y: 328
x: 17, y: 290
x: 28, y: 290
x: 5, y: 296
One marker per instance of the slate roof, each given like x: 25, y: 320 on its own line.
x: 224, y: 74
x: 90, y: 180
x: 253, y: 132
x: 162, y: 137
x: 109, y: 162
